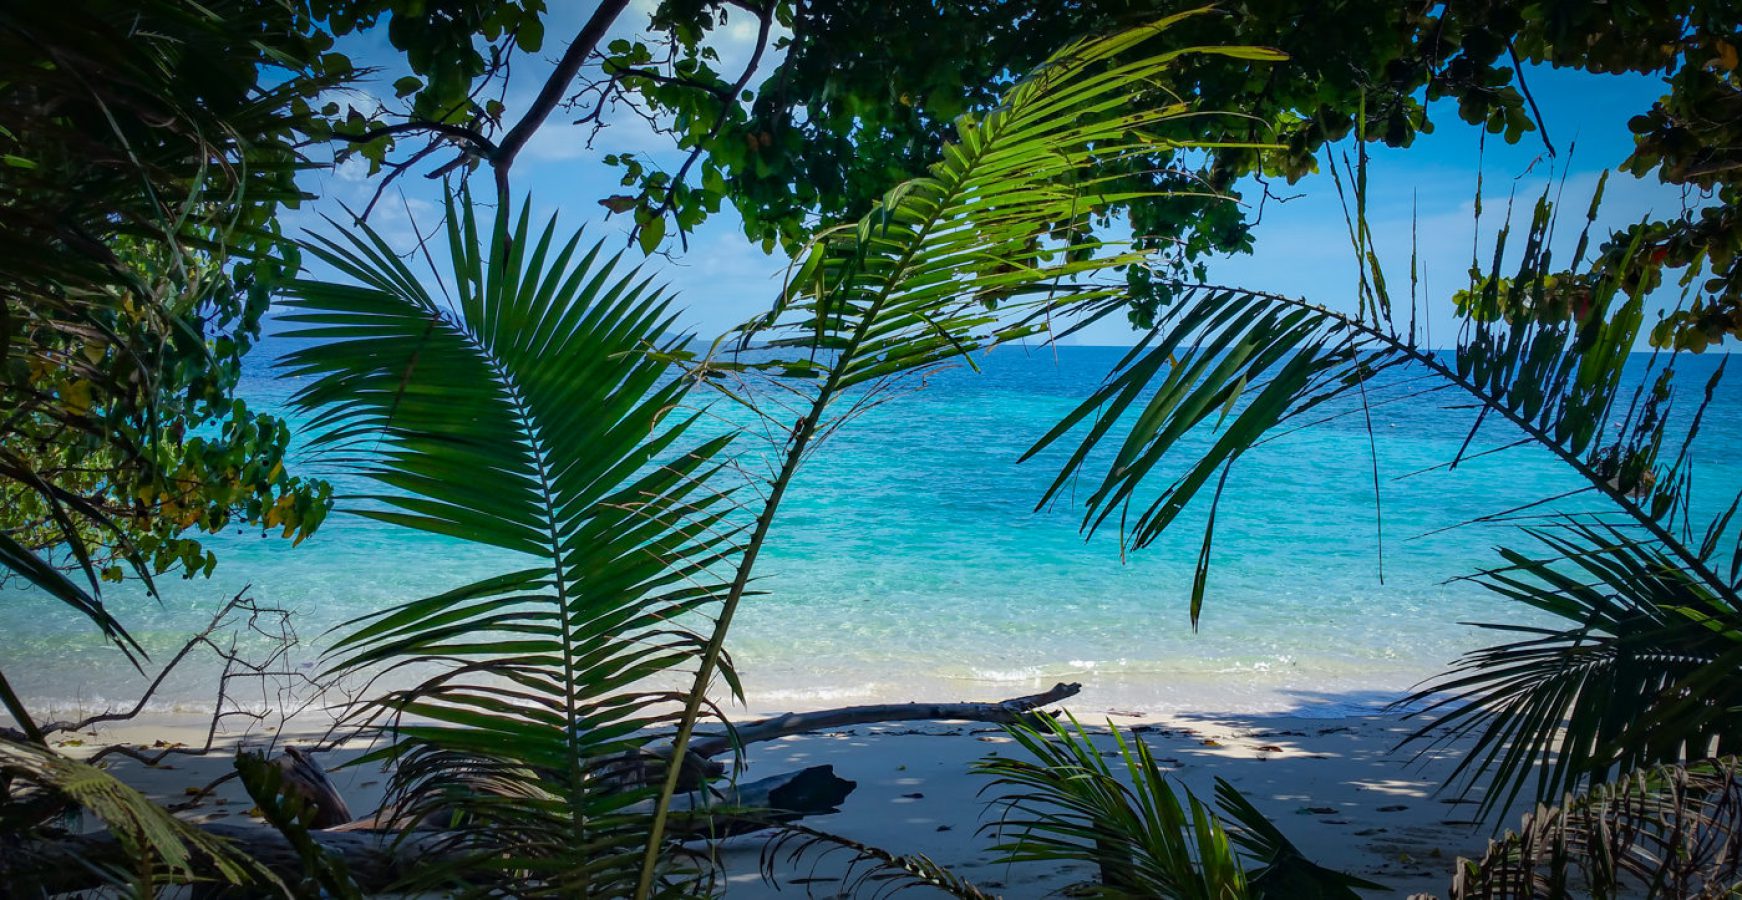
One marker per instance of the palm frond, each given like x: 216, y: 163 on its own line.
x: 1069, y: 805
x: 529, y: 414
x: 1666, y: 831
x: 1541, y: 351
x: 1282, y: 870
x: 156, y: 848
x: 870, y: 871
x: 1643, y: 673
x: 979, y: 251
x: 1651, y: 604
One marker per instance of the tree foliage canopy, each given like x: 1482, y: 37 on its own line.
x: 841, y: 100
x: 148, y: 149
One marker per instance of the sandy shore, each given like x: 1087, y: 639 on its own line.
x: 1335, y: 786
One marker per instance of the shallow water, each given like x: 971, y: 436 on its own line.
x: 910, y: 562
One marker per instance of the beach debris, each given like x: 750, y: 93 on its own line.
x: 1003, y: 712
x: 1269, y: 748
x: 304, y: 778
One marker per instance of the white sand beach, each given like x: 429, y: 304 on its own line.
x: 1335, y: 786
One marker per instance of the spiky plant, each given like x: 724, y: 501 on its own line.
x: 1069, y: 804
x: 529, y: 411
x: 147, y: 848
x: 978, y: 252
x: 1666, y: 831
x: 1644, y: 669
x: 522, y: 411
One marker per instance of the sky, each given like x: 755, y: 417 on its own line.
x: 1420, y: 203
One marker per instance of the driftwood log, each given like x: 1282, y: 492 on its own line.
x: 1003, y: 712
x: 305, y: 778
x: 378, y: 857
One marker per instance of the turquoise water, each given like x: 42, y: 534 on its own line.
x: 910, y: 562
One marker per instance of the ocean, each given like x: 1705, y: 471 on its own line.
x: 910, y: 563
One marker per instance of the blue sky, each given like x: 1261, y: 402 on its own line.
x: 1422, y: 195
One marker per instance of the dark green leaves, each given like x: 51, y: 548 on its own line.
x: 530, y: 412
x: 1231, y: 363
x: 1644, y: 671
x: 980, y: 250
x: 158, y: 848
x: 1544, y: 356
x: 1661, y: 832
x: 1068, y: 804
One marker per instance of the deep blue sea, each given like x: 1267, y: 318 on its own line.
x: 910, y: 563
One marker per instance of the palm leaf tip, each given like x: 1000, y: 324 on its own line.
x: 1141, y: 834
x: 531, y: 412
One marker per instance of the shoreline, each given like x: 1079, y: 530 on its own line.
x: 1333, y: 785
x: 1150, y: 694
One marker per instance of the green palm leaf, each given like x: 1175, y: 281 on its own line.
x: 530, y: 414
x: 1644, y: 673
x: 1541, y: 354
x: 156, y: 848
x: 1667, y: 831
x: 1069, y: 804
x: 979, y: 251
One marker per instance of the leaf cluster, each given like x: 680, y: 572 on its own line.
x: 148, y: 149
x: 1144, y: 837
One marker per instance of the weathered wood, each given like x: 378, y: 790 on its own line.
x: 305, y: 778
x: 755, y: 805
x: 377, y: 856
x: 374, y: 859
x: 377, y: 859
x: 1003, y: 712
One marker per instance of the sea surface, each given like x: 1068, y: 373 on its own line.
x: 910, y: 562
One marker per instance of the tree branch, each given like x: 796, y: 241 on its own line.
x: 731, y: 96
x: 724, y: 93
x: 554, y: 89
x: 1002, y: 712
x: 482, y: 146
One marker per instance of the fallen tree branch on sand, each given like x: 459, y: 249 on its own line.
x: 1003, y: 712
x: 377, y: 859
x: 378, y: 856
